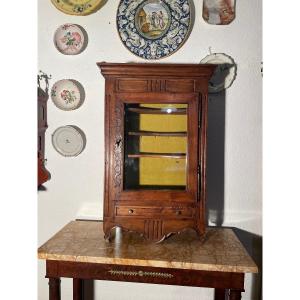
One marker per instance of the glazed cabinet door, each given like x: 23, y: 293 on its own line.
x: 154, y: 138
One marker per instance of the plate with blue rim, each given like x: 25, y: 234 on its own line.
x: 154, y: 29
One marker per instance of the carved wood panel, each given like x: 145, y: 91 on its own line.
x: 130, y: 85
x: 153, y: 229
x: 180, y: 86
x: 155, y: 85
x: 118, y: 146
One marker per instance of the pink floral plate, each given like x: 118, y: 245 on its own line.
x: 67, y: 94
x: 70, y: 39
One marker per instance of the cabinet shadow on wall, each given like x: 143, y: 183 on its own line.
x: 215, y: 185
x: 215, y: 158
x: 253, y: 244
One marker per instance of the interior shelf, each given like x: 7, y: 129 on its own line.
x: 145, y: 110
x: 153, y: 133
x: 158, y: 155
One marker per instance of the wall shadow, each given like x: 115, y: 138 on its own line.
x: 215, y: 158
x: 253, y: 244
x: 42, y: 188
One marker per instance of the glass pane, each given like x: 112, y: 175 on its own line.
x: 155, y: 146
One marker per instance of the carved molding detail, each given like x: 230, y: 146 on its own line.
x: 156, y: 85
x: 140, y: 274
x: 164, y: 235
x: 118, y: 146
x: 153, y: 229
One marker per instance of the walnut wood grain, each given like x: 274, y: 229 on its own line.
x: 209, y: 279
x: 235, y: 294
x: 142, y: 70
x: 157, y: 212
x: 220, y: 294
x: 135, y: 83
x: 54, y: 288
x: 77, y: 289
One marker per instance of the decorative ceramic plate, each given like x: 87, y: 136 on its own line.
x: 70, y: 39
x: 67, y: 94
x: 153, y: 29
x: 224, y: 74
x: 69, y: 140
x: 78, y: 7
x: 218, y: 12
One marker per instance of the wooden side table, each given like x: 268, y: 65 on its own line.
x: 79, y: 251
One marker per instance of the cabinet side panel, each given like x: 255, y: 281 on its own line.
x: 107, y: 151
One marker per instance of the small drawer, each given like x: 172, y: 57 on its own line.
x: 141, y: 211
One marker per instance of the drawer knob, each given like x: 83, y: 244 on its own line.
x: 178, y: 212
x: 130, y: 211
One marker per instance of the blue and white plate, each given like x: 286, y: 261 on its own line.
x: 153, y: 29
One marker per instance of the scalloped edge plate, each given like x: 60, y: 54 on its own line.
x: 219, y: 59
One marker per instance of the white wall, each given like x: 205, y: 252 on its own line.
x: 76, y: 187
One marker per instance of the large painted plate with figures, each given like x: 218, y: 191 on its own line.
x: 78, y: 7
x: 153, y: 29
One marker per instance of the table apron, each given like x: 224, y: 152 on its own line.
x: 154, y: 275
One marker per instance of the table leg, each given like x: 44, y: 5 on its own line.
x: 235, y: 294
x: 54, y: 288
x: 77, y: 289
x: 220, y: 294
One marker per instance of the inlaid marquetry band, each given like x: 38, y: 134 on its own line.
x: 141, y: 273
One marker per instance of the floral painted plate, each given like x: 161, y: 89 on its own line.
x: 70, y: 39
x: 69, y: 140
x: 67, y: 94
x: 224, y: 74
x: 78, y: 7
x: 153, y: 29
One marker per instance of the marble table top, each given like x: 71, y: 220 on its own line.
x: 83, y: 241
